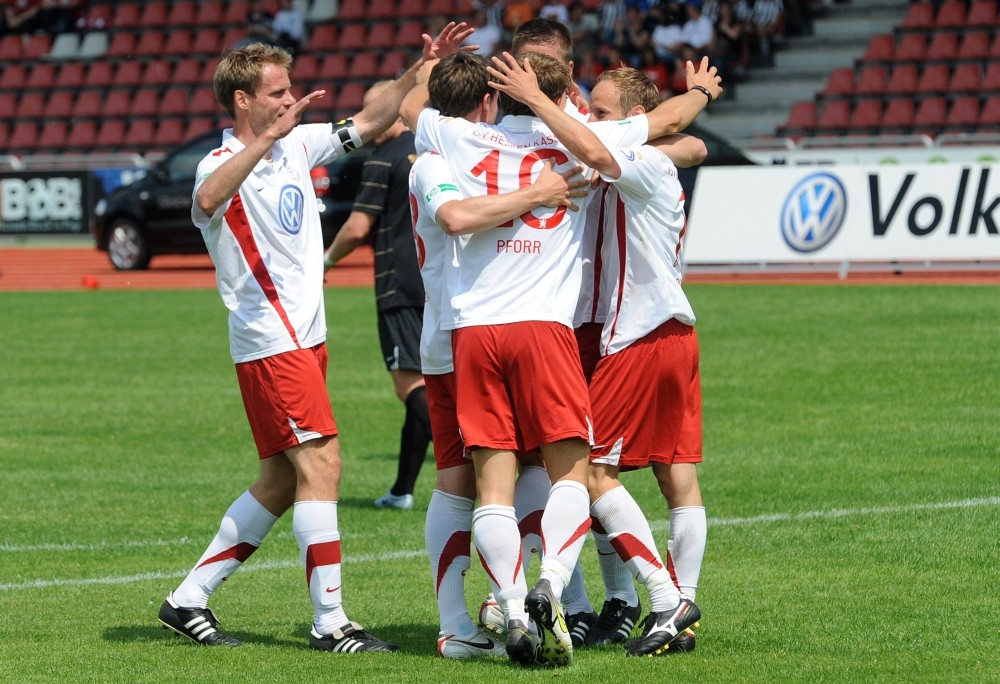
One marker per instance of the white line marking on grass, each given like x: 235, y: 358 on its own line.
x: 401, y: 555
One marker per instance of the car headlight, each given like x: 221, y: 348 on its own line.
x: 100, y: 207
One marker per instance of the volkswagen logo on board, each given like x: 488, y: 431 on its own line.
x: 813, y: 212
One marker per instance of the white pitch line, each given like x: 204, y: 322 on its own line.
x: 400, y: 555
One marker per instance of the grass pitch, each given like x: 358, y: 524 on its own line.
x: 852, y: 482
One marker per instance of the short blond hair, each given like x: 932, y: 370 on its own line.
x: 634, y: 88
x: 243, y: 69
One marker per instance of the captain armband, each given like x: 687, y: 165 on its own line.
x: 346, y: 136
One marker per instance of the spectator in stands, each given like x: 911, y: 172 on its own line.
x: 729, y: 51
x: 487, y: 35
x: 632, y: 35
x: 584, y: 27
x: 612, y: 14
x: 587, y: 68
x: 494, y: 11
x: 667, y: 34
x: 21, y: 16
x: 258, y: 24
x: 289, y: 27
x: 765, y: 24
x: 61, y: 16
x: 515, y: 13
x: 556, y: 10
x: 697, y: 31
x: 653, y: 67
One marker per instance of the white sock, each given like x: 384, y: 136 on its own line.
x: 531, y: 492
x: 628, y: 532
x: 499, y: 545
x: 565, y: 524
x: 574, y: 597
x: 448, y: 537
x: 618, y: 581
x: 315, y: 527
x: 688, y: 534
x: 241, y: 532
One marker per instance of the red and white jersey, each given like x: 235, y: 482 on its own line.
x: 529, y: 269
x: 640, y: 284
x: 431, y: 185
x: 267, y: 245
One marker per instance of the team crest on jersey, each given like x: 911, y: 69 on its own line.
x: 290, y: 208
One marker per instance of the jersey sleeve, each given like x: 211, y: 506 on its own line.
x: 642, y: 170
x: 206, y: 167
x: 326, y: 141
x: 432, y: 182
x: 623, y: 133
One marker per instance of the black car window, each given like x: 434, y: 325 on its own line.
x: 181, y: 166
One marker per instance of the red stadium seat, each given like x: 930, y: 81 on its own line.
x: 24, y: 136
x: 82, y: 133
x: 31, y: 105
x: 352, y: 38
x: 182, y: 13
x: 982, y: 14
x: 943, y: 46
x: 13, y: 77
x: 393, y: 64
x: 801, y: 119
x: 36, y: 46
x: 447, y: 7
x: 187, y: 71
x: 881, y: 48
x: 353, y: 11
x: 410, y: 34
x: 305, y: 68
x: 872, y: 81
x: 236, y: 11
x: 52, y: 137
x: 11, y: 48
x: 60, y: 104
x: 71, y: 75
x: 154, y: 14
x: 8, y: 103
x: 117, y: 103
x: 145, y: 102
x: 170, y: 131
x: 384, y: 9
x: 158, y: 72
x: 100, y: 74
x: 332, y: 69
x: 950, y: 15
x: 149, y: 43
x: 995, y: 47
x: 975, y: 45
x: 966, y: 78
x: 110, y: 134
x: 898, y: 115
x: 991, y: 79
x: 126, y: 15
x: 42, y: 75
x: 203, y: 101
x: 324, y: 38
x: 207, y: 41
x: 411, y: 8
x: 963, y: 113
x: 931, y: 115
x: 128, y: 74
x: 919, y: 17
x: 178, y: 42
x: 866, y: 117
x: 382, y: 36
x: 140, y: 134
x: 834, y: 117
x: 174, y: 101
x: 122, y: 44
x: 211, y: 12
x: 903, y: 80
x: 935, y: 78
x: 364, y: 65
x: 989, y: 115
x: 197, y: 125
x: 350, y: 99
x: 840, y: 83
x: 912, y: 47
x: 89, y: 103
x: 4, y: 135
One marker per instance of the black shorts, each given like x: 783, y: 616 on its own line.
x: 399, y: 334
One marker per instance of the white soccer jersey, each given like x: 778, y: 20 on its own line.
x: 489, y: 284
x: 431, y: 186
x: 267, y: 245
x: 640, y: 285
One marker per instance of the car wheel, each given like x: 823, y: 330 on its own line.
x: 127, y: 246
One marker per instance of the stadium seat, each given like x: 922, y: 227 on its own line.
x: 89, y: 103
x: 991, y: 79
x: 982, y: 14
x: 305, y: 68
x: 235, y: 12
x: 351, y: 11
x: 42, y: 75
x: 110, y: 134
x: 207, y: 41
x: 943, y: 46
x: 70, y: 75
x: 447, y: 7
x: 903, y: 80
x: 353, y: 38
x: 950, y: 15
x: 898, y: 115
x: 323, y: 39
x: 834, y: 117
x: 149, y: 43
x: 4, y: 135
x: 117, y: 103
x: 211, y: 12
x: 197, y: 125
x: 321, y: 11
x: 170, y: 131
x: 919, y: 17
x: 24, y: 136
x: 99, y: 16
x: 966, y: 78
x: 332, y: 69
x: 208, y: 69
x: 174, y: 101
x: 31, y: 105
x: 411, y: 9
x: 126, y: 15
x: 52, y: 137
x: 393, y: 63
x: 100, y: 74
x: 384, y: 9
x: 154, y: 14
x: 64, y: 46
x: 350, y: 99
x: 11, y: 48
x: 187, y: 71
x: 82, y: 133
x: 158, y: 72
x: 37, y: 46
x: 230, y: 38
x: 995, y: 47
x: 840, y: 83
x: 145, y: 102
x: 975, y: 45
x: 935, y: 78
x: 931, y: 114
x: 13, y: 77
x: 182, y: 13
x: 122, y: 44
x: 139, y: 134
x: 93, y: 44
x: 364, y: 65
x: 866, y: 117
x: 8, y: 103
x: 912, y: 47
x: 382, y: 36
x: 989, y: 115
x: 409, y: 34
x: 203, y: 101
x: 178, y: 42
x: 128, y: 73
x: 872, y: 80
x: 963, y: 113
x: 59, y: 104
x: 881, y: 48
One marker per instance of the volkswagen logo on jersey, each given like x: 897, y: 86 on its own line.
x: 290, y: 205
x: 813, y: 212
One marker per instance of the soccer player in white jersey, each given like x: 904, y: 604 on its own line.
x: 440, y: 213
x: 254, y: 203
x: 648, y: 329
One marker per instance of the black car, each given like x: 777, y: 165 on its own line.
x: 152, y: 216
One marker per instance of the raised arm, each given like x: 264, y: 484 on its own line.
x: 519, y: 81
x: 684, y: 151
x: 677, y: 113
